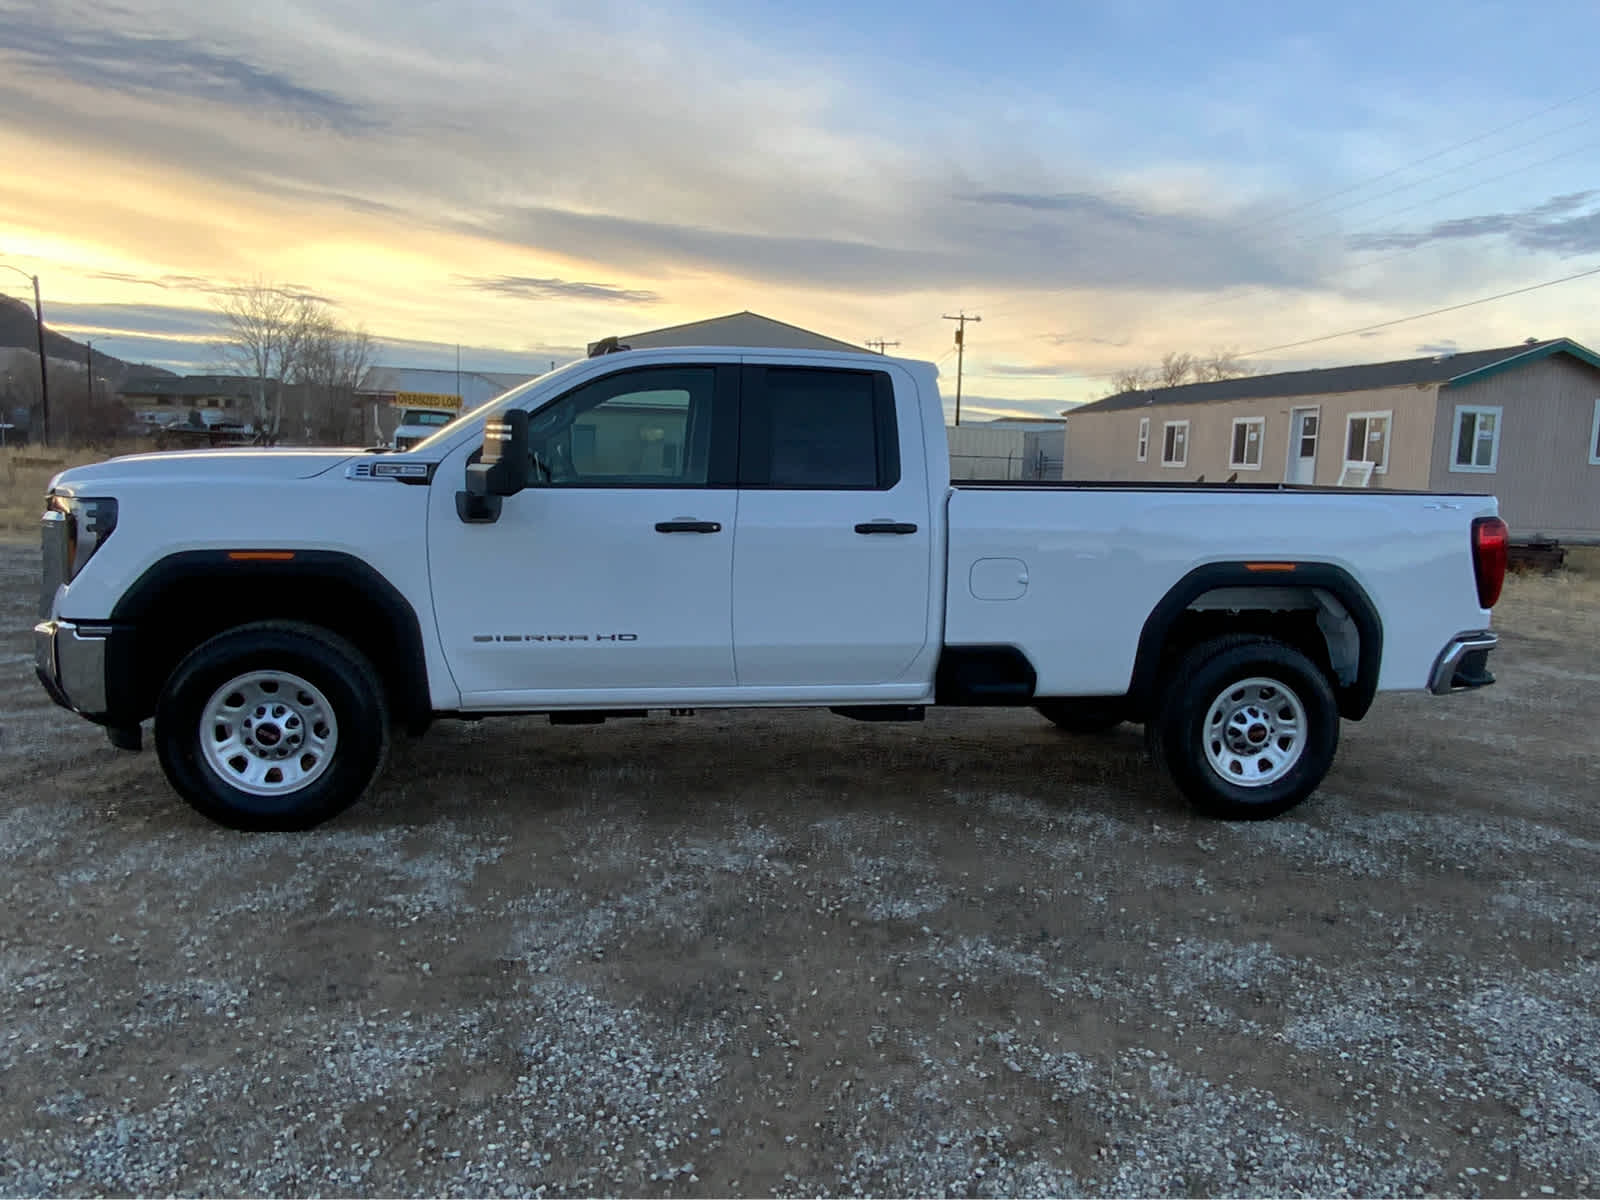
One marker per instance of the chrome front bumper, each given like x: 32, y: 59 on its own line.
x: 70, y: 661
x: 1464, y: 663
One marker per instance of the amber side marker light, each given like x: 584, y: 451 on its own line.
x: 261, y: 555
x: 1269, y: 566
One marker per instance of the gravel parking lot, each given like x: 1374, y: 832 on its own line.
x: 789, y: 954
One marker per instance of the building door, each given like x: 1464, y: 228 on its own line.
x: 1304, y: 427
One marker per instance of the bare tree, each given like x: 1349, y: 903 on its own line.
x: 86, y: 416
x: 266, y: 331
x: 285, y: 340
x: 1175, y: 368
x: 1180, y: 367
x: 1222, y: 364
x: 332, y: 362
x: 1134, y: 379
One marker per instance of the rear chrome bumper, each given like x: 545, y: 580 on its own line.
x: 70, y: 661
x: 1464, y: 663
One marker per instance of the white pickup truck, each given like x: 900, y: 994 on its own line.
x: 680, y: 529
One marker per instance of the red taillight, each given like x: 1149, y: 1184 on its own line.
x: 1491, y: 542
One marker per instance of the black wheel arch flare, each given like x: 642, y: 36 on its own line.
x: 153, y: 616
x: 1354, y: 698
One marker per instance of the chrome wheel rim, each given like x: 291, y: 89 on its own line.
x: 268, y: 733
x: 1255, y: 732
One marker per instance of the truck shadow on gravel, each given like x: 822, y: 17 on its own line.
x: 786, y: 762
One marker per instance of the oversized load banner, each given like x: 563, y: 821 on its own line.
x: 425, y: 400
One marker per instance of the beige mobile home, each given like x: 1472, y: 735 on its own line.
x: 1520, y: 422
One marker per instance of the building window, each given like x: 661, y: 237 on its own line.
x: 1144, y: 437
x: 1594, y: 437
x: 1477, y: 439
x: 1245, y: 451
x: 1367, y: 440
x: 1175, y: 444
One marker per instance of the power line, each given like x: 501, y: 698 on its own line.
x: 879, y: 344
x: 1275, y: 217
x: 1472, y: 162
x: 1328, y: 337
x: 1384, y: 218
x: 1417, y: 162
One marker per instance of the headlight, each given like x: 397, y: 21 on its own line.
x: 90, y: 521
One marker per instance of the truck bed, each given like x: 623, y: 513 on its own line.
x: 1069, y: 572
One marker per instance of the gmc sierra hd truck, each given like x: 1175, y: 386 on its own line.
x: 682, y: 529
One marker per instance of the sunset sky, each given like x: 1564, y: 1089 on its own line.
x: 1103, y: 182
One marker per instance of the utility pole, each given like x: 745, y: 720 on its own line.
x: 44, y: 378
x: 961, y: 352
x: 879, y: 343
x: 458, y: 373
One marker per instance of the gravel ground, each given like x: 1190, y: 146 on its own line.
x: 781, y: 953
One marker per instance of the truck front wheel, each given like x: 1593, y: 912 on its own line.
x: 1248, y: 727
x: 272, y: 725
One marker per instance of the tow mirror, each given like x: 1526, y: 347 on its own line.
x: 503, y: 468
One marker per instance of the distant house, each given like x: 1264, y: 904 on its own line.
x: 734, y: 329
x: 171, y: 399
x: 1519, y: 422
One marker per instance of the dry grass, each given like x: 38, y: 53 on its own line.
x: 1584, y: 560
x: 1565, y: 604
x: 25, y: 472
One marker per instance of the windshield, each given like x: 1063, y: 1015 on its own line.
x: 416, y: 416
x: 500, y: 403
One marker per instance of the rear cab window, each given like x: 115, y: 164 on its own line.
x: 818, y: 428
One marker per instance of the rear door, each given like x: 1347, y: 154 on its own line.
x: 833, y: 548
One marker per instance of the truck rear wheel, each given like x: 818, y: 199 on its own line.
x: 1248, y: 728
x: 273, y: 725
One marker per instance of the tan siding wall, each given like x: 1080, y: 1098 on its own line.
x: 1543, y: 479
x: 1102, y: 445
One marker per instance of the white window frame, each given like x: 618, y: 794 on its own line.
x: 1476, y: 410
x: 1594, y: 437
x: 1144, y: 439
x: 1260, y: 424
x: 1177, y: 462
x: 1379, y: 468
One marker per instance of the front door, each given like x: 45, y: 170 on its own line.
x: 608, y: 580
x: 832, y: 563
x: 1303, y: 432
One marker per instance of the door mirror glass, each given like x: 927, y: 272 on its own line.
x: 505, y: 465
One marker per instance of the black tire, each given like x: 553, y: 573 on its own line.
x: 1178, y: 735
x: 1082, y: 715
x: 346, y: 680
